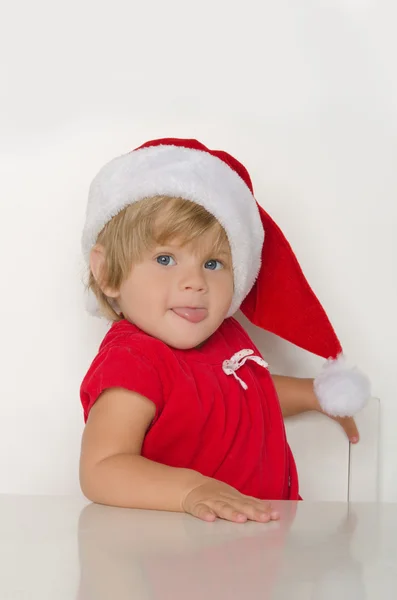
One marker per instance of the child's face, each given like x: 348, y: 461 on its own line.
x: 179, y: 294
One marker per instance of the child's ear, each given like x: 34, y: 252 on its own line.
x: 97, y: 266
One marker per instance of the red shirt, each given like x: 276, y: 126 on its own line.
x: 205, y: 420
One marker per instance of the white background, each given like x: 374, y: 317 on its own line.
x: 303, y: 93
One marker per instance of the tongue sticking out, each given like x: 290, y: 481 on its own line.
x: 194, y: 315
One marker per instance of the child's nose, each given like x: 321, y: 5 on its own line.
x: 193, y: 279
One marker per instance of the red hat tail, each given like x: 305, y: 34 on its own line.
x: 282, y: 302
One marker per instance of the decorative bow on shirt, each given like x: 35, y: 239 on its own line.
x: 238, y: 360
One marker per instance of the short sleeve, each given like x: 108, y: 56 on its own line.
x: 121, y: 366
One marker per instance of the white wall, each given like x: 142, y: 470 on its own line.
x: 305, y: 94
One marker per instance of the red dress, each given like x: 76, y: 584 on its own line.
x: 205, y: 418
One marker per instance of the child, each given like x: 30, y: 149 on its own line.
x: 181, y: 411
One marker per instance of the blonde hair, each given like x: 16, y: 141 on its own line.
x: 141, y: 226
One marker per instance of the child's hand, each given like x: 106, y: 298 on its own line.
x: 297, y: 396
x: 213, y: 499
x: 349, y: 426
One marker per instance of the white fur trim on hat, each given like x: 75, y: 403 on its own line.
x: 194, y: 175
x: 341, y: 390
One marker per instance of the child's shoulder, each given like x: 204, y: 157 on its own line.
x: 126, y: 335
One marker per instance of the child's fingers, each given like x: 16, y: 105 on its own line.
x: 267, y: 508
x: 204, y: 512
x: 226, y: 503
x: 236, y: 511
x: 239, y: 511
x: 229, y: 511
x: 255, y: 509
x: 258, y: 511
x: 349, y: 426
x: 255, y: 513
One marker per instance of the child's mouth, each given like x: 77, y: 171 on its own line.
x: 194, y: 315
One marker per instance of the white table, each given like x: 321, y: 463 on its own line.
x: 65, y: 549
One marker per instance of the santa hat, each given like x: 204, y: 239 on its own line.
x: 270, y: 288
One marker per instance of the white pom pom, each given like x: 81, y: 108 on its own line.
x: 341, y: 390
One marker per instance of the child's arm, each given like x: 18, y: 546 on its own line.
x: 113, y: 472
x: 297, y: 396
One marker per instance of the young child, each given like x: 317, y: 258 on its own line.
x: 181, y: 411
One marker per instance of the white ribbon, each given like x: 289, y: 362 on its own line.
x: 238, y: 360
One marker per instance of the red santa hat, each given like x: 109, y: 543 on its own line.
x: 270, y: 287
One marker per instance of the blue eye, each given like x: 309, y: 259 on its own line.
x: 165, y: 260
x: 213, y: 265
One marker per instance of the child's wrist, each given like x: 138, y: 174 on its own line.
x: 311, y: 399
x: 194, y: 479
